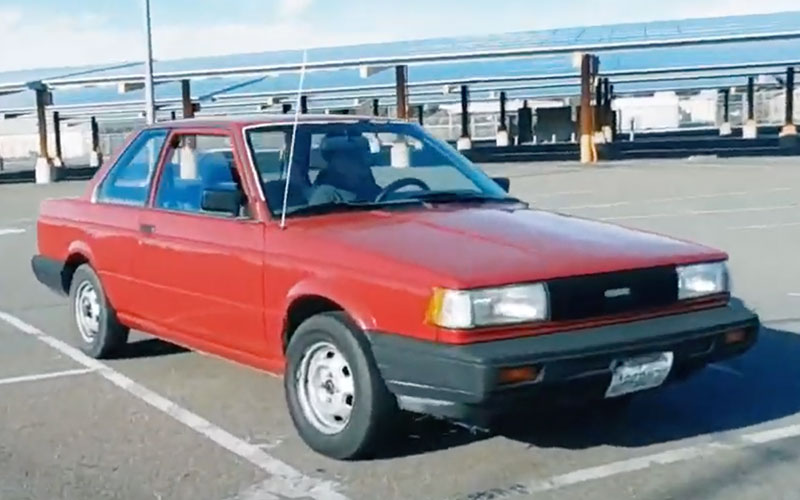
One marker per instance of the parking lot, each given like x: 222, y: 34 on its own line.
x: 166, y: 423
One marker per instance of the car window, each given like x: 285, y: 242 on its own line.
x: 361, y: 162
x: 128, y: 181
x: 196, y: 164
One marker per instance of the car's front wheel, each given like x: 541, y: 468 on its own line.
x: 336, y: 396
x: 97, y: 329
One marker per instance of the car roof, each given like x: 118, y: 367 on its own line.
x: 266, y: 119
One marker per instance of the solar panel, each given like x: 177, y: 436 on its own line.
x: 640, y: 59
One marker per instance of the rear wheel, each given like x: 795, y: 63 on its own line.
x: 336, y: 397
x: 95, y: 325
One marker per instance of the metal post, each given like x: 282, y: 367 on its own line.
x: 43, y: 170
x: 41, y: 96
x: 586, y: 126
x: 788, y: 135
x: 465, y: 111
x: 401, y: 85
x: 95, y: 156
x: 304, y: 104
x: 725, y: 129
x: 286, y: 107
x: 58, y: 161
x: 375, y: 107
x: 172, y: 115
x: 503, y: 111
x: 611, y: 117
x: 726, y: 105
x: 186, y: 99
x: 503, y: 137
x: 150, y: 105
x: 464, y: 141
x: 789, y: 96
x: 421, y: 114
x: 598, y: 105
x: 750, y: 129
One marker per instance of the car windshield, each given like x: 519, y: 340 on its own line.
x: 363, y: 164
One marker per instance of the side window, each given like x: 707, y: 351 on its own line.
x: 201, y: 167
x: 128, y: 181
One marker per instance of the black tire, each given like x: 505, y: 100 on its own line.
x: 111, y: 335
x: 374, y: 413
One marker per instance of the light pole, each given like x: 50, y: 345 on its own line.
x: 149, y: 97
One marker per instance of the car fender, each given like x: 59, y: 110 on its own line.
x: 341, y: 292
x: 79, y: 247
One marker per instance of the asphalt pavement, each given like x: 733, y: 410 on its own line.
x: 165, y: 423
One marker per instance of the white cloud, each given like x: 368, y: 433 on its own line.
x: 718, y: 8
x: 293, y: 8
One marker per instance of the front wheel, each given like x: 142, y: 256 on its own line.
x: 336, y: 397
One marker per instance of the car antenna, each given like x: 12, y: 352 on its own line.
x: 294, y: 136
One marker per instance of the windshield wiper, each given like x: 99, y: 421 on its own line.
x: 344, y: 206
x: 459, y: 196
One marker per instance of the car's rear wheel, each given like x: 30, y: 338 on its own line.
x: 337, y: 399
x: 96, y: 327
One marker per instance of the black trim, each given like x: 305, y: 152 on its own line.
x: 463, y: 379
x: 51, y: 273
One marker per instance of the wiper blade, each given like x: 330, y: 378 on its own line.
x: 456, y: 196
x: 343, y: 206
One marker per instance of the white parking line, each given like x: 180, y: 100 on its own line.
x: 45, y: 376
x: 286, y: 481
x: 676, y: 198
x: 599, y: 205
x: 6, y: 231
x: 558, y: 193
x: 794, y: 294
x: 704, y: 212
x: 608, y: 470
x: 767, y: 226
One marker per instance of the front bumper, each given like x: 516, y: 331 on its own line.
x: 462, y: 381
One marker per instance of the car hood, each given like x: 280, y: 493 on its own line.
x: 485, y: 246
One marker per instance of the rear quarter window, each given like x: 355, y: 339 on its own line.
x: 128, y: 180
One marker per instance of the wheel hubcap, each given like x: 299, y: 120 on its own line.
x: 325, y: 388
x: 87, y: 311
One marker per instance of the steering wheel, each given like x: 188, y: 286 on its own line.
x: 400, y: 184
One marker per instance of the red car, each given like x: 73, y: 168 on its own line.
x: 381, y: 271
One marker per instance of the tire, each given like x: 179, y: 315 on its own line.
x: 373, y: 412
x: 102, y: 335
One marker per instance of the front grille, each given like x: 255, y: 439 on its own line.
x: 620, y: 292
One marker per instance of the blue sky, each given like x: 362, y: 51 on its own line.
x: 37, y: 33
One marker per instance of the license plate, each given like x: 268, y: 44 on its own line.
x: 639, y: 373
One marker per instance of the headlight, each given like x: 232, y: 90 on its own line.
x: 702, y: 279
x: 488, y: 306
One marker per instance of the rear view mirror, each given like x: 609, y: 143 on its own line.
x: 227, y: 201
x: 503, y: 182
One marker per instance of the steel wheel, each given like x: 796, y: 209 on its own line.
x: 87, y: 311
x: 325, y: 388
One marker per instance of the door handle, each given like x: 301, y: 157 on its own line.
x: 147, y: 228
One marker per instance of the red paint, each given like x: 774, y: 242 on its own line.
x: 224, y: 286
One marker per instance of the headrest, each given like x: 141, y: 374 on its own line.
x: 332, y: 144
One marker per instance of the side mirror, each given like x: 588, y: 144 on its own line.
x: 227, y: 201
x: 503, y: 182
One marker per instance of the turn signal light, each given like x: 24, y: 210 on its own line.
x: 735, y: 336
x: 518, y: 375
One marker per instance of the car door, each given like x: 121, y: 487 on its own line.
x: 202, y: 267
x: 112, y: 220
